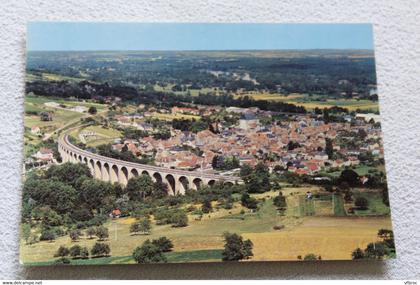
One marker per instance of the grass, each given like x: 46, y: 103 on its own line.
x: 173, y: 257
x: 103, y: 135
x: 61, y: 118
x: 202, y: 240
x: 195, y: 255
x: 361, y: 170
x: 338, y: 205
x: 170, y: 117
x: 334, y: 238
x: 51, y: 77
x: 40, y: 100
x: 312, y: 102
x: 376, y: 206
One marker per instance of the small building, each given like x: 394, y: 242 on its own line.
x: 35, y: 130
x: 115, y: 214
x: 44, y: 154
x: 248, y: 121
x: 368, y: 117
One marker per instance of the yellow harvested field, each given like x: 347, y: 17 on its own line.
x: 363, y: 105
x: 170, y: 117
x: 332, y: 238
x: 270, y: 96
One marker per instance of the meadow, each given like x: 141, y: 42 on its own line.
x: 62, y: 118
x: 321, y: 232
x: 314, y: 101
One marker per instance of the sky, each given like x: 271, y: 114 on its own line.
x: 73, y: 36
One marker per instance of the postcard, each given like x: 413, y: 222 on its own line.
x: 155, y: 143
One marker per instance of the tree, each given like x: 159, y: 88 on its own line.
x: 75, y: 251
x: 326, y: 116
x: 236, y: 248
x: 246, y: 172
x: 84, y: 253
x: 68, y: 172
x: 74, y: 235
x: 388, y: 237
x: 279, y: 201
x: 361, y: 203
x: 385, y: 234
x: 349, y: 176
x: 91, y: 232
x: 143, y: 225
x: 92, y: 110
x: 102, y: 233
x: 311, y: 256
x: 358, y: 254
x: 139, y: 187
x: 26, y: 232
x: 329, y: 148
x: 179, y: 219
x: 62, y: 251
x: 249, y: 202
x: 47, y: 234
x: 149, y: 253
x: 348, y: 196
x: 46, y: 116
x: 160, y: 190
x: 376, y: 250
x: 55, y: 194
x: 100, y: 249
x: 206, y: 207
x: 262, y: 175
x: 163, y: 243
x: 94, y: 192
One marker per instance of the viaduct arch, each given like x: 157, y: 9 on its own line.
x: 115, y: 170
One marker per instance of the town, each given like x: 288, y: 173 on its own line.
x: 219, y: 147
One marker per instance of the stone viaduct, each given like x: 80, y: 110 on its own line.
x: 114, y: 170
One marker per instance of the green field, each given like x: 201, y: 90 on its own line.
x: 202, y: 239
x: 175, y: 257
x: 376, y: 206
x: 45, y: 76
x: 361, y: 170
x: 338, y: 204
x: 61, y: 119
x: 314, y: 101
x: 170, y: 117
x: 103, y: 135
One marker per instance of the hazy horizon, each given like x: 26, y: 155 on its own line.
x: 83, y: 36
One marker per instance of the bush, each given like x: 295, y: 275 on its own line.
x: 358, y: 254
x: 75, y: 235
x: 47, y: 234
x: 179, y: 219
x: 279, y: 201
x: 143, y: 225
x: 91, y: 232
x: 148, y: 253
x: 249, y: 202
x: 236, y: 248
x: 163, y: 243
x: 75, y: 251
x: 84, y: 253
x: 100, y: 249
x: 206, y: 207
x: 311, y: 256
x: 92, y: 110
x: 361, y: 203
x: 62, y: 251
x: 102, y: 233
